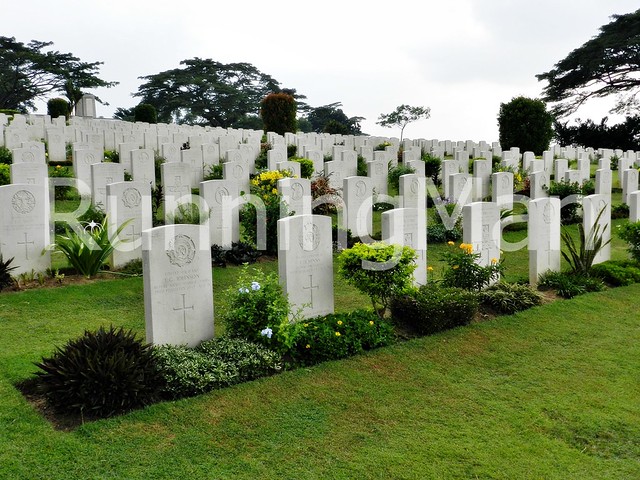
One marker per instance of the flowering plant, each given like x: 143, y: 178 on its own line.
x: 463, y: 270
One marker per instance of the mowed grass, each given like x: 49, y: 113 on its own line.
x: 549, y: 393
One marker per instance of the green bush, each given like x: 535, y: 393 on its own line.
x: 132, y: 268
x: 321, y: 188
x: 463, y: 271
x: 6, y: 157
x: 362, y: 167
x: 257, y: 309
x: 339, y: 335
x: 510, y: 297
x: 239, y: 254
x: 630, y: 233
x: 214, y: 364
x: 432, y: 167
x: 619, y: 210
x: 524, y: 122
x: 145, y: 112
x: 564, y: 189
x: 214, y: 172
x: 306, y: 166
x: 111, y: 156
x: 395, y: 173
x: 58, y: 107
x: 569, y: 285
x: 278, y: 112
x: 291, y: 150
x: 5, y: 272
x: 439, y: 233
x: 100, y: 374
x: 5, y: 174
x: 61, y: 192
x: 261, y: 159
x: 389, y: 270
x: 433, y: 308
x: 617, y: 272
x: 187, y: 214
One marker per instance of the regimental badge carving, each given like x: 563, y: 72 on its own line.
x: 414, y: 186
x: 144, y: 156
x: 309, y: 238
x: 548, y: 213
x: 89, y: 158
x: 220, y: 194
x: 361, y: 188
x: 28, y: 157
x: 23, y: 202
x: 181, y: 251
x: 131, y: 198
x: 296, y: 191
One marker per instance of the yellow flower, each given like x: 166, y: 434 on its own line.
x: 339, y: 322
x: 494, y: 260
x: 306, y: 324
x: 450, y: 243
x: 430, y: 269
x: 307, y: 346
x: 455, y: 267
x: 274, y: 191
x: 58, y: 166
x: 337, y: 334
x: 463, y: 246
x: 371, y: 322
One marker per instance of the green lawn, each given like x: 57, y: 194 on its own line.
x: 548, y: 393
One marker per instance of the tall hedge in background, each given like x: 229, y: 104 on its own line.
x: 145, y: 112
x: 525, y: 123
x: 278, y: 112
x: 58, y: 107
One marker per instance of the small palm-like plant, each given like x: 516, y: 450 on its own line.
x: 5, y: 275
x: 580, y: 256
x: 88, y: 250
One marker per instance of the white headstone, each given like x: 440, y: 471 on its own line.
x: 408, y: 227
x: 634, y: 206
x: 502, y: 189
x: 481, y: 229
x: 629, y: 183
x: 305, y: 263
x: 222, y: 198
x: 538, y: 182
x: 461, y: 188
x: 296, y: 195
x: 143, y: 166
x: 544, y: 237
x: 358, y: 199
x: 592, y: 205
x: 178, y: 287
x: 412, y: 191
x: 603, y: 181
x: 101, y: 175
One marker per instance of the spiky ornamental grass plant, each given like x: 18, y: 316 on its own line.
x: 5, y: 275
x: 89, y: 250
x: 580, y: 256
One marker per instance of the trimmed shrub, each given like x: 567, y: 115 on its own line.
x: 278, y: 112
x: 239, y: 254
x: 569, y: 285
x: 617, y: 273
x: 433, y: 308
x: 5, y: 174
x: 145, y: 112
x: 395, y: 173
x: 339, y: 335
x: 102, y: 373
x: 58, y: 107
x: 563, y: 189
x: 510, y: 297
x: 6, y: 157
x: 630, y: 233
x: 619, y: 210
x: 306, y: 166
x: 524, y: 122
x: 214, y: 364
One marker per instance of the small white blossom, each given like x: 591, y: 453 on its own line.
x: 255, y: 286
x: 243, y: 290
x: 267, y: 332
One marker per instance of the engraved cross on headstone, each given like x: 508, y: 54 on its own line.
x: 184, y: 309
x: 26, y: 245
x: 311, y: 287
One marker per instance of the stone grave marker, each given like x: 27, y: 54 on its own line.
x: 378, y: 173
x: 358, y: 198
x: 538, y: 182
x: 305, y: 263
x: 408, y: 227
x: 481, y: 229
x: 178, y: 287
x: 629, y: 183
x: 561, y: 168
x: 412, y: 190
x: 461, y: 188
x: 82, y: 161
x: 223, y: 199
x: 101, y: 175
x: 238, y: 173
x: 592, y: 205
x: 176, y: 183
x: 544, y: 237
x: 296, y: 195
x: 603, y: 181
x: 634, y: 206
x: 502, y: 189
x: 143, y: 166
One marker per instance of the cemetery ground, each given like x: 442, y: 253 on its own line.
x: 550, y: 392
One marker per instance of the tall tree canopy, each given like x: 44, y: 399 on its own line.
x: 607, y: 64
x: 30, y: 72
x: 402, y: 116
x: 206, y: 92
x: 331, y: 119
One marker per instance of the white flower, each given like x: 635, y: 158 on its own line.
x: 255, y: 286
x: 267, y: 332
x: 243, y: 290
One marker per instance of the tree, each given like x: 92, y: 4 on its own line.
x: 30, y: 72
x: 278, y: 112
x: 402, y: 116
x: 145, y: 112
x: 125, y: 114
x: 57, y: 107
x: 206, y: 92
x: 607, y: 64
x: 525, y: 123
x: 331, y: 119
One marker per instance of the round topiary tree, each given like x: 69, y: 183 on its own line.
x: 58, y: 107
x: 278, y: 112
x: 525, y: 123
x: 145, y: 112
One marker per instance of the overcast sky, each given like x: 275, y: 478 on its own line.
x: 462, y: 58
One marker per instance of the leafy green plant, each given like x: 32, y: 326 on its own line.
x: 257, y: 308
x: 619, y: 210
x: 111, y: 156
x: 569, y: 285
x: 630, y: 233
x: 306, y: 166
x: 432, y: 167
x: 563, y: 189
x: 5, y: 174
x: 433, y: 308
x: 187, y: 214
x: 132, y: 268
x: 6, y: 158
x: 5, y: 272
x: 339, y: 335
x: 101, y: 374
x: 278, y: 112
x: 378, y: 270
x: 463, y: 270
x: 89, y: 250
x: 321, y: 189
x: 58, y: 107
x: 239, y: 254
x: 213, y: 364
x: 617, y: 273
x: 395, y: 173
x: 145, y: 112
x: 510, y: 297
x: 439, y: 233
x: 214, y: 172
x: 580, y: 256
x: 62, y: 191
